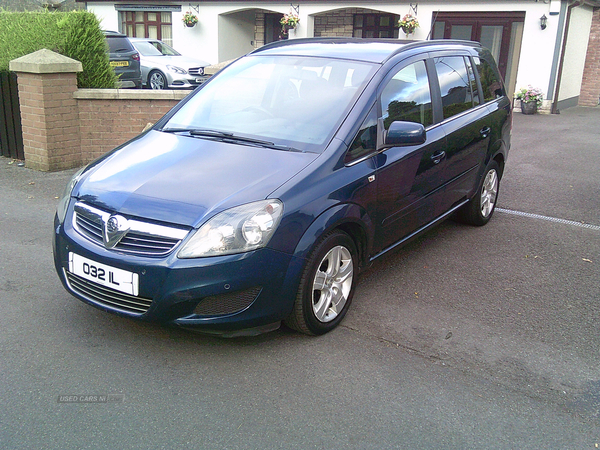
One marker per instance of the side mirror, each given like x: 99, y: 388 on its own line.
x: 403, y: 134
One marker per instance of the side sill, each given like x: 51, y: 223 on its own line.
x: 419, y: 231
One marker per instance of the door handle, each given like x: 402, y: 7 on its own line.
x: 438, y: 157
x: 485, y: 132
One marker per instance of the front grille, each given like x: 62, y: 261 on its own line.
x: 143, y: 238
x: 106, y: 296
x: 196, y: 71
x: 227, y: 303
x: 138, y: 243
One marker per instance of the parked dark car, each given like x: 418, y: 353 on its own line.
x: 261, y: 196
x: 124, y: 59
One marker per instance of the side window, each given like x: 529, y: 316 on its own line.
x: 407, y: 96
x: 365, y: 141
x: 454, y: 84
x: 490, y: 81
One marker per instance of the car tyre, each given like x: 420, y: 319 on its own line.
x: 327, y: 285
x: 156, y: 80
x: 480, y: 209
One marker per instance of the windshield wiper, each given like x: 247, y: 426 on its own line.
x: 230, y: 137
x: 198, y: 132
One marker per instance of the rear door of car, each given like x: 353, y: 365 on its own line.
x: 467, y: 124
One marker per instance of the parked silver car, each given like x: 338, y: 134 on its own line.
x: 165, y: 68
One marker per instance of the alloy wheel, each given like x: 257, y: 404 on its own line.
x: 332, y: 284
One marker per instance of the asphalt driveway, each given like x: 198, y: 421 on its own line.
x: 519, y: 299
x: 466, y: 338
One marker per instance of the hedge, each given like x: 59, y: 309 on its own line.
x: 75, y: 34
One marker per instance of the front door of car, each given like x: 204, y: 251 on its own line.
x: 409, y: 178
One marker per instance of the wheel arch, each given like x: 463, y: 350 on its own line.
x: 350, y: 218
x: 500, y: 160
x: 498, y: 152
x: 157, y: 70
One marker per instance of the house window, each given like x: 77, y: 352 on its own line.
x: 148, y: 24
x: 375, y: 26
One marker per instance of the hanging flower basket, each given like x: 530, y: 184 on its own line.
x: 189, y: 19
x: 408, y: 24
x: 289, y: 22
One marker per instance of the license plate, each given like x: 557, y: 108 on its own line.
x: 119, y: 63
x: 110, y: 277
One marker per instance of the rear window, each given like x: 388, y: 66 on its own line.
x: 119, y: 44
x: 455, y: 84
x: 490, y: 80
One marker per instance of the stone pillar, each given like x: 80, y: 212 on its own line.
x: 49, y: 114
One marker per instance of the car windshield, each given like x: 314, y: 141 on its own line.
x: 295, y: 101
x: 154, y: 48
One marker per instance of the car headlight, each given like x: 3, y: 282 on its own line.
x: 177, y: 70
x: 63, y: 203
x: 236, y: 230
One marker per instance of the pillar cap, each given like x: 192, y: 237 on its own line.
x: 45, y: 61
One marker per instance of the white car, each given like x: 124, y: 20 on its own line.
x: 165, y: 68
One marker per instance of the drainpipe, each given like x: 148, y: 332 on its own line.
x: 554, y: 109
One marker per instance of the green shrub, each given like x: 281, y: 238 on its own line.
x: 75, y: 34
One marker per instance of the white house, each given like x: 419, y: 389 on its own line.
x: 543, y: 43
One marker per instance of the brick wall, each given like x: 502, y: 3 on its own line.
x: 65, y: 127
x: 339, y: 23
x: 259, y: 30
x: 590, y: 85
x: 106, y: 121
x: 336, y: 23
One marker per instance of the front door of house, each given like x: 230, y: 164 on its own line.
x: 273, y: 28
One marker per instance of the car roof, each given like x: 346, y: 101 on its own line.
x: 112, y: 34
x: 368, y: 50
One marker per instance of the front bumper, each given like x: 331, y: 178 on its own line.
x: 185, y: 81
x: 216, y: 295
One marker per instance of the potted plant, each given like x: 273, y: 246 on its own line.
x: 189, y: 19
x: 531, y: 98
x: 409, y: 24
x: 289, y: 22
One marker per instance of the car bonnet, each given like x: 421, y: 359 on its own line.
x: 185, y: 180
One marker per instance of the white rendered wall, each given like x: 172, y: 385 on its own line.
x: 216, y: 37
x: 106, y: 14
x: 576, y: 50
